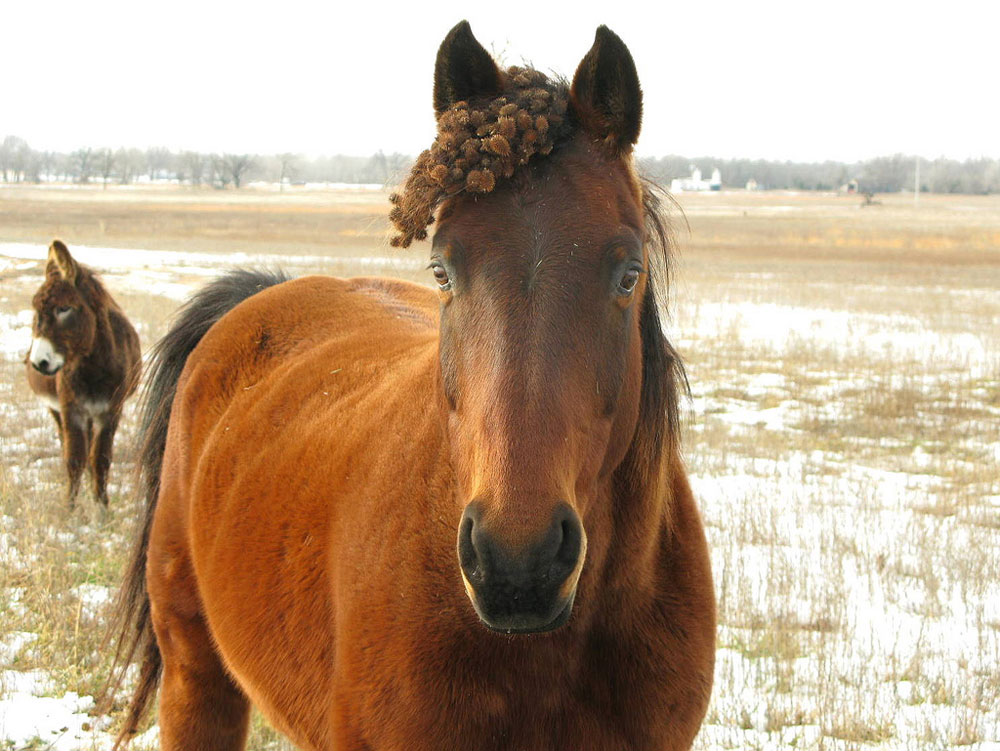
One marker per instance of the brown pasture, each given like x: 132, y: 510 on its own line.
x: 920, y: 418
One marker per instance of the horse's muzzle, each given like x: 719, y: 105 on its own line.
x: 526, y: 590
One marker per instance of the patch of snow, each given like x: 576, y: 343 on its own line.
x: 91, y: 595
x: 176, y: 274
x: 15, y: 333
x: 13, y: 643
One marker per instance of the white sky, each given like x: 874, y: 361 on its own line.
x: 804, y: 80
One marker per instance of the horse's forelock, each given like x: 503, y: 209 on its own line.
x: 480, y: 143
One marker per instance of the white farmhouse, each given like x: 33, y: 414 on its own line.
x: 695, y: 182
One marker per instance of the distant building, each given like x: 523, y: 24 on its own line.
x: 850, y: 187
x: 751, y: 184
x: 695, y: 183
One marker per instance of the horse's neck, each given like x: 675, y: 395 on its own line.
x: 641, y: 521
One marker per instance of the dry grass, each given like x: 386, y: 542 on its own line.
x: 333, y: 223
x: 842, y: 440
x: 844, y: 445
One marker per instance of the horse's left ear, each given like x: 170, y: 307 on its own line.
x: 605, y: 95
x: 63, y: 261
x: 464, y: 69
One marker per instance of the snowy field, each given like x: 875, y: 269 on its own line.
x: 843, y: 442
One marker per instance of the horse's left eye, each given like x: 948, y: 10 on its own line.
x: 628, y: 282
x: 63, y: 310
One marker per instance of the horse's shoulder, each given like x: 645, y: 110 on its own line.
x: 308, y: 299
x: 313, y: 310
x: 372, y: 322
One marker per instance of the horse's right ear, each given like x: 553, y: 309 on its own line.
x: 63, y: 262
x: 464, y: 69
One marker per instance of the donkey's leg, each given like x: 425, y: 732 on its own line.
x: 201, y: 708
x: 100, y: 455
x: 74, y: 444
x: 58, y: 419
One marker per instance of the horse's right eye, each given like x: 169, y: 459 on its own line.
x: 441, y: 276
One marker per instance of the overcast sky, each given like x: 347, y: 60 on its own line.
x: 802, y: 80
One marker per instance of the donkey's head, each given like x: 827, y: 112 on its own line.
x: 65, y: 325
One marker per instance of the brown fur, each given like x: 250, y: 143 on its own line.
x: 100, y: 349
x: 326, y: 437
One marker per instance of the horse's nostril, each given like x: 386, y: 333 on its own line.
x: 469, y: 555
x: 569, y: 547
x: 554, y: 557
x: 466, y: 551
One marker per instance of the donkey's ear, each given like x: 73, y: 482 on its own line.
x: 605, y: 95
x: 464, y: 69
x: 63, y: 262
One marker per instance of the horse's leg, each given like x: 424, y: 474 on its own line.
x: 100, y: 456
x: 74, y: 444
x: 58, y: 418
x: 201, y: 709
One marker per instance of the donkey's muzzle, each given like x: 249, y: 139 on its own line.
x: 44, y: 358
x: 525, y: 589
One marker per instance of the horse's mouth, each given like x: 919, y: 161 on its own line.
x: 499, y: 617
x: 515, y: 625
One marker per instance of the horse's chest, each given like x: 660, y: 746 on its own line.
x: 537, y: 727
x: 532, y: 713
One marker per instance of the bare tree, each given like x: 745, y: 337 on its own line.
x: 377, y: 169
x: 46, y: 161
x: 14, y: 156
x: 193, y: 165
x: 62, y: 166
x: 157, y: 161
x: 237, y: 166
x: 131, y: 163
x: 397, y: 165
x: 218, y: 173
x: 105, y: 164
x: 289, y: 167
x: 887, y: 174
x: 81, y: 165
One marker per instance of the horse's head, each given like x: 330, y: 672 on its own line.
x: 542, y: 265
x: 64, y: 325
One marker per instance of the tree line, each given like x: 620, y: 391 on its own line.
x: 20, y: 163
x: 888, y: 174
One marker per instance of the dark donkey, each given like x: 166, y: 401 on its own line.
x: 83, y: 363
x: 398, y: 518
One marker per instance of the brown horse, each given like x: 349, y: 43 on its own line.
x: 313, y: 448
x: 83, y: 363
